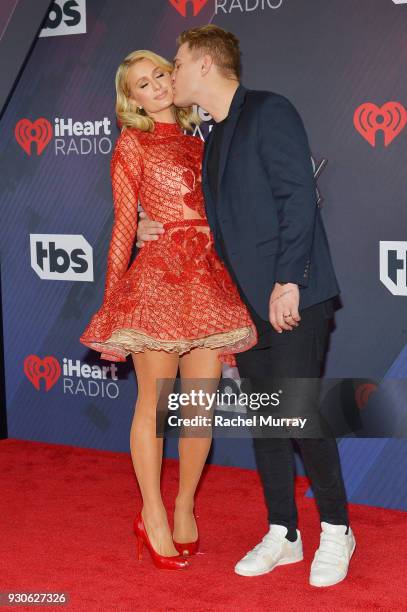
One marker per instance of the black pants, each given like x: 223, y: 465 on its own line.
x: 298, y: 354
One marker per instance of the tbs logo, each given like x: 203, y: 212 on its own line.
x: 393, y: 266
x: 65, y: 17
x: 61, y: 257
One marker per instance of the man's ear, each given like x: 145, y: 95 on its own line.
x: 206, y: 64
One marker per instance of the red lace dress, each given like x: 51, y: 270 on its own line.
x: 177, y: 294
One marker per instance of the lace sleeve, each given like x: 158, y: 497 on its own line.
x: 126, y: 174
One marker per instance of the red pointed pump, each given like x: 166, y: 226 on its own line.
x: 161, y: 562
x: 187, y: 548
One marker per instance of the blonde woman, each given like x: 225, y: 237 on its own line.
x: 176, y: 305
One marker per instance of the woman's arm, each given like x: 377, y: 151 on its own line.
x: 126, y: 174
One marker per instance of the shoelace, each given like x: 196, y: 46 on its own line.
x: 331, y: 550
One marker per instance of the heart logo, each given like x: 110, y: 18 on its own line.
x: 391, y: 118
x: 39, y: 131
x: 363, y: 393
x: 181, y: 6
x: 47, y: 368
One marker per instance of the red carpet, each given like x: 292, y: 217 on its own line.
x: 66, y: 525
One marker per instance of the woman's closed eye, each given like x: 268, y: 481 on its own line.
x: 158, y: 76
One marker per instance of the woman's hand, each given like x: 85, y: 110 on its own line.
x: 147, y: 229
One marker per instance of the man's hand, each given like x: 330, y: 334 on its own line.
x: 283, y: 307
x: 148, y: 230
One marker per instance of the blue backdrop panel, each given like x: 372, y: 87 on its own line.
x: 341, y: 64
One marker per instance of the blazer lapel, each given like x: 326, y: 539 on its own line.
x: 229, y: 131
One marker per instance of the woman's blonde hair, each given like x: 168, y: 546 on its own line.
x: 128, y: 113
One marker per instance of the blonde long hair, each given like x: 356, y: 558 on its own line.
x: 127, y: 112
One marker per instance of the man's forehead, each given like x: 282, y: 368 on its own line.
x: 186, y: 53
x: 181, y: 52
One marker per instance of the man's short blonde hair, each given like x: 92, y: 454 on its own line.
x: 223, y: 46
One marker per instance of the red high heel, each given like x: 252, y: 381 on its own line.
x: 174, y: 562
x: 187, y: 548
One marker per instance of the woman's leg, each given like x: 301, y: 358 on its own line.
x: 198, y: 364
x: 147, y: 449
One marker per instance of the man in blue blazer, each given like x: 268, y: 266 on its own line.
x: 261, y: 204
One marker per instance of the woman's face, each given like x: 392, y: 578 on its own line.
x: 150, y: 86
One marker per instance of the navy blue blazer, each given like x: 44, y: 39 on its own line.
x: 267, y: 202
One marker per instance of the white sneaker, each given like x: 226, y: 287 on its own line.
x: 331, y: 560
x: 274, y: 549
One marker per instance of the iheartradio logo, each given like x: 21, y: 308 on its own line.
x: 39, y: 132
x: 47, y: 369
x: 391, y: 118
x: 70, y: 137
x: 183, y: 6
x: 78, y: 378
x: 363, y: 393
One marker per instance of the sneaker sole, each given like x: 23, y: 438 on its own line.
x: 248, y: 573
x: 340, y: 579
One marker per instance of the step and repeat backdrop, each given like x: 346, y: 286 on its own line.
x: 341, y: 63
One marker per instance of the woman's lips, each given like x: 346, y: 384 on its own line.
x: 161, y: 96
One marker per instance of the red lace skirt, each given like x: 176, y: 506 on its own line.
x: 176, y: 295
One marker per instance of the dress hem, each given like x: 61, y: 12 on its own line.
x: 124, y: 341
